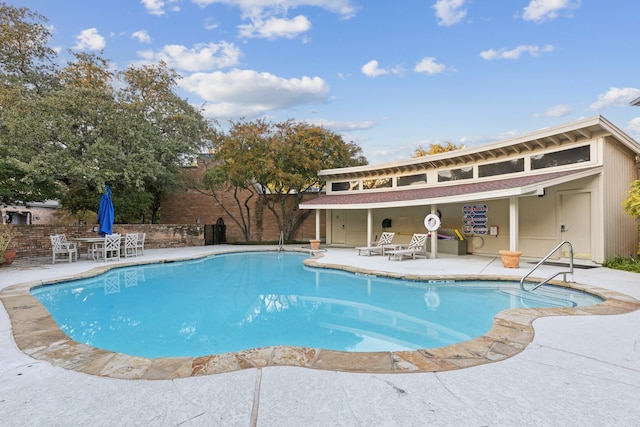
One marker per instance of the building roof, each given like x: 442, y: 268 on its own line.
x: 450, y: 192
x: 572, y: 133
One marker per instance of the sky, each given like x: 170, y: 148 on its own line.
x: 389, y: 75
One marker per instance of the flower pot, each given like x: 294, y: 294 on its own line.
x: 315, y: 244
x: 510, y: 259
x: 8, y: 256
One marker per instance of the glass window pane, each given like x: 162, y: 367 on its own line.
x: 559, y: 158
x: 412, y: 179
x: 501, y: 168
x: 455, y: 174
x: 370, y: 184
x: 344, y: 186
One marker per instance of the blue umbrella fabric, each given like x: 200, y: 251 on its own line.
x: 105, y: 213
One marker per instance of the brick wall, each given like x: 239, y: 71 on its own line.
x: 33, y: 240
x: 185, y: 207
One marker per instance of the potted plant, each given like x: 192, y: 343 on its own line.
x: 510, y: 259
x: 6, y: 255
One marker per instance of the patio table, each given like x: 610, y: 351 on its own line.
x: 93, y: 243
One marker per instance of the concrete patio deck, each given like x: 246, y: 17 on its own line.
x: 578, y: 370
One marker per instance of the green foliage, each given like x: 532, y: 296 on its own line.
x: 66, y: 132
x: 436, y: 149
x: 632, y: 203
x: 622, y: 263
x: 277, y: 163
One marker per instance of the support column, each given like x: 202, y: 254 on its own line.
x: 434, y: 235
x: 369, y: 227
x: 317, y: 224
x: 513, y: 223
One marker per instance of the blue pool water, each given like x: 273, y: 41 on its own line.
x: 234, y: 302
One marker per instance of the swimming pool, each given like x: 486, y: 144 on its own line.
x: 234, y: 302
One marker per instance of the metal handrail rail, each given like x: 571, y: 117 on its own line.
x: 281, y: 242
x: 565, y: 242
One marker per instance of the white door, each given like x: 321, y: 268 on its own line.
x: 338, y: 226
x: 575, y: 223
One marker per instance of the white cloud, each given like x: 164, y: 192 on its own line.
x: 616, y: 97
x: 449, y: 12
x: 90, y: 39
x: 492, y: 54
x: 210, y: 24
x: 202, y: 57
x: 430, y: 66
x: 546, y: 10
x: 372, y: 69
x: 338, y: 126
x: 341, y: 7
x: 634, y: 127
x: 142, y: 36
x: 555, y: 111
x: 157, y: 7
x: 240, y: 93
x: 273, y: 28
x: 268, y: 18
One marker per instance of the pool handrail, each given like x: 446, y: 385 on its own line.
x: 564, y: 242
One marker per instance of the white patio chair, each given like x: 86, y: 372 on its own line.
x: 60, y: 246
x: 110, y: 250
x: 378, y: 248
x: 416, y: 247
x: 140, y: 244
x: 130, y: 245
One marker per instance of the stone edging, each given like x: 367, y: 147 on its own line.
x: 37, y: 334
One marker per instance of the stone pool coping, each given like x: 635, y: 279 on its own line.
x: 37, y: 335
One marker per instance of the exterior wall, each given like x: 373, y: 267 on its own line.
x: 186, y: 207
x: 620, y: 170
x: 32, y: 214
x: 33, y: 240
x: 539, y: 221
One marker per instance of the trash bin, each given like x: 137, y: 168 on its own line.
x: 220, y: 232
x: 209, y: 235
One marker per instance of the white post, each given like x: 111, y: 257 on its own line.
x: 434, y: 235
x: 317, y: 224
x: 369, y: 227
x: 513, y: 223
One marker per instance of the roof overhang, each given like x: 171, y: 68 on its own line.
x: 573, y: 133
x: 451, y: 192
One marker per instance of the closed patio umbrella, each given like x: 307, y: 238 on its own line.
x: 105, y: 213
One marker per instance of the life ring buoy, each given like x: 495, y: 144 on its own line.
x: 432, y: 222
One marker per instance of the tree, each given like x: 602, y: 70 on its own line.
x: 297, y: 152
x: 66, y: 132
x: 240, y: 155
x: 179, y: 130
x: 279, y: 164
x: 26, y: 75
x: 632, y: 203
x: 436, y: 149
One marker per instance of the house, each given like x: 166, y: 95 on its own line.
x: 31, y: 213
x: 528, y: 193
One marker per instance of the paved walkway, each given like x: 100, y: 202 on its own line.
x: 579, y: 370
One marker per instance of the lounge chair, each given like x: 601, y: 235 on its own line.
x: 415, y: 247
x: 60, y: 246
x: 378, y: 248
x: 130, y: 245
